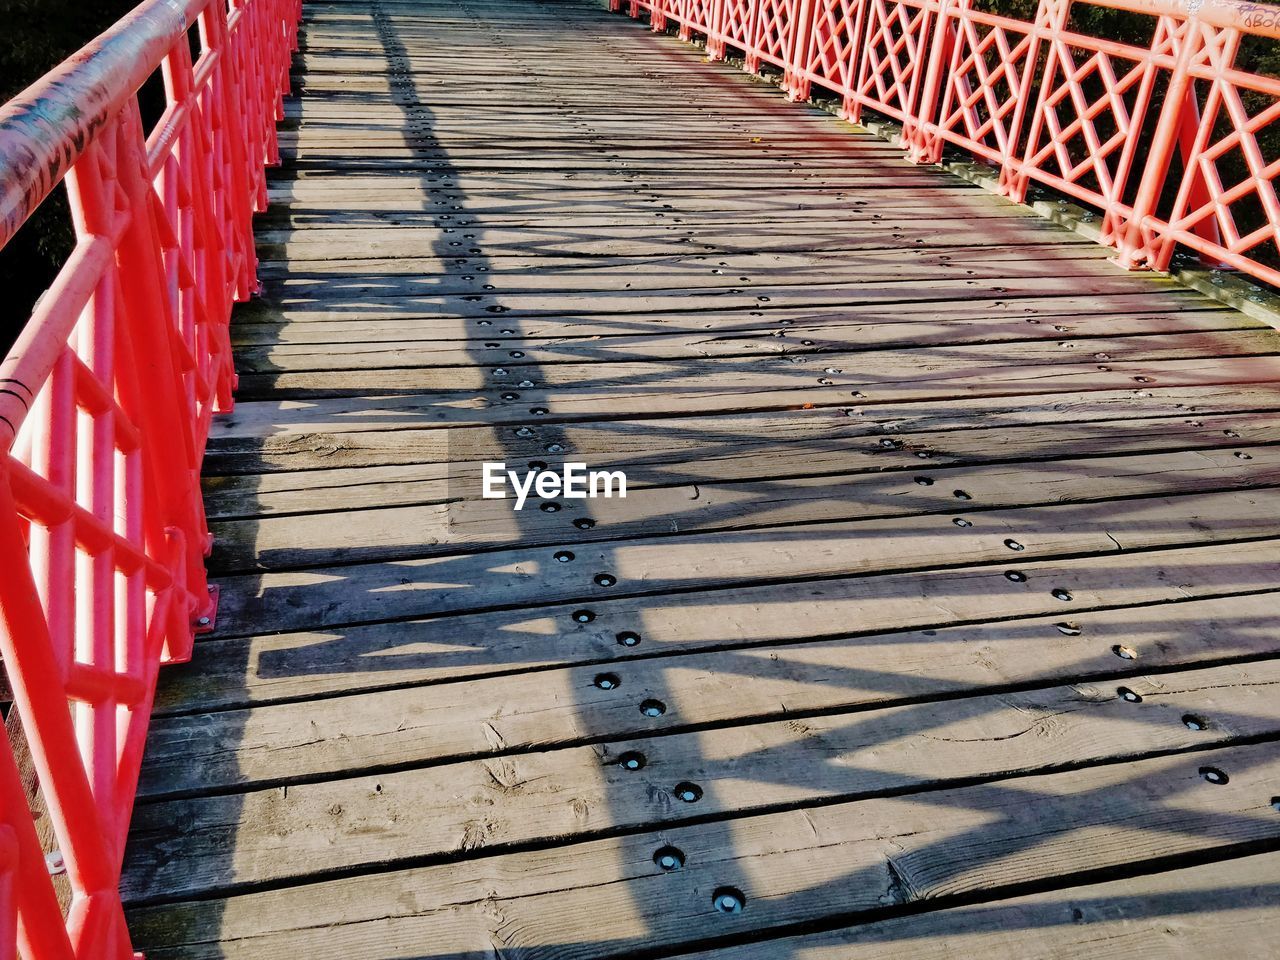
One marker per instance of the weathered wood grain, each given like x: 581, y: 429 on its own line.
x: 329, y: 659
x: 531, y: 232
x: 1186, y: 914
x: 469, y: 807
x: 865, y: 857
x: 455, y: 518
x: 260, y: 439
x: 349, y: 731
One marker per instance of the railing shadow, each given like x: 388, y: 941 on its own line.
x: 420, y: 617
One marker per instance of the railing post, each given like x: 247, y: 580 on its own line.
x: 920, y: 133
x: 164, y: 414
x: 1134, y: 247
x: 658, y: 15
x: 800, y: 43
x: 232, y: 129
x: 715, y: 30
x: 33, y: 672
x: 1050, y: 17
x: 1051, y: 22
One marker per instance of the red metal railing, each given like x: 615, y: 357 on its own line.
x: 105, y: 404
x: 1173, y: 142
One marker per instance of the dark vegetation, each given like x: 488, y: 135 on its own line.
x: 36, y: 36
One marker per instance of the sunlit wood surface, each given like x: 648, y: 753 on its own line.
x: 941, y: 620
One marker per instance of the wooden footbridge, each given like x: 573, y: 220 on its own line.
x: 941, y: 617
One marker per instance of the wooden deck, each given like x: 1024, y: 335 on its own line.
x: 943, y: 614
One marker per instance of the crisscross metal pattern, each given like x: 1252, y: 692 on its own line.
x: 1168, y: 141
x: 105, y: 404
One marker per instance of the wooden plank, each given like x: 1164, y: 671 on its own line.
x: 446, y: 342
x: 384, y: 651
x: 264, y: 436
x: 352, y: 731
x: 725, y: 459
x: 445, y: 579
x: 576, y: 792
x: 457, y: 519
x: 874, y: 857
x: 413, y: 250
x: 428, y: 300
x: 1185, y: 914
x: 616, y: 389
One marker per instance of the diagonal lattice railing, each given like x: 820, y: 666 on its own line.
x: 105, y: 404
x: 1174, y: 143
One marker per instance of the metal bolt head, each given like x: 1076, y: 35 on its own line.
x: 204, y: 621
x: 688, y: 792
x: 669, y: 859
x: 728, y: 900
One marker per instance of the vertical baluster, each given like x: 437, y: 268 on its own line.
x: 91, y: 189
x: 1134, y: 246
x: 52, y: 422
x: 233, y: 132
x: 803, y: 37
x: 172, y: 462
x: 1194, y: 133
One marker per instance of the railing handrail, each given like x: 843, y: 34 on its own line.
x: 46, y: 128
x: 106, y: 400
x: 1259, y: 19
